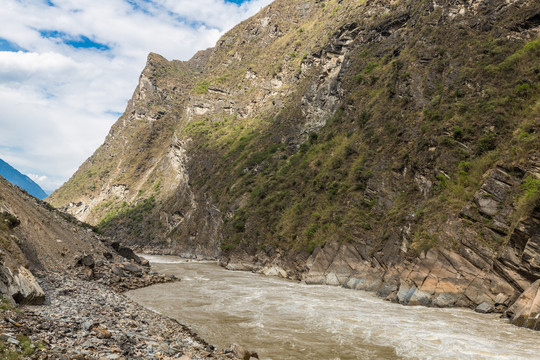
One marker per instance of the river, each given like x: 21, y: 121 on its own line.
x: 282, y: 319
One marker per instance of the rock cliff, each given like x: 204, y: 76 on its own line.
x: 390, y: 146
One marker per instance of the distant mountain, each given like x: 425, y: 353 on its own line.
x: 24, y: 182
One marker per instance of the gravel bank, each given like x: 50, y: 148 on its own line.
x: 84, y: 319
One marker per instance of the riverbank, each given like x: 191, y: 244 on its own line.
x: 85, y: 319
x: 439, y: 277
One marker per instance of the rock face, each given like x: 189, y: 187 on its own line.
x: 339, y: 142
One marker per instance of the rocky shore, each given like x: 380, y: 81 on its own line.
x: 84, y: 319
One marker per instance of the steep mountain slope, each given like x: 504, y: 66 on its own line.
x: 24, y: 182
x: 34, y: 236
x: 381, y: 145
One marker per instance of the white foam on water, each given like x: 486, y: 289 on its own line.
x: 162, y: 259
x: 172, y: 259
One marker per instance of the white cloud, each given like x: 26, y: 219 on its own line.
x: 57, y: 100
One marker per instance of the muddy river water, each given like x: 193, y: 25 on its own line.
x: 282, y: 319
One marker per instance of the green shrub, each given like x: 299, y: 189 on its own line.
x: 487, y: 142
x: 457, y: 132
x: 531, y: 188
x: 201, y: 87
x: 433, y: 115
x: 522, y: 89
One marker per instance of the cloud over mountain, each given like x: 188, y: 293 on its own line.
x: 67, y: 69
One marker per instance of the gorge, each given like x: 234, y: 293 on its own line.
x: 390, y: 146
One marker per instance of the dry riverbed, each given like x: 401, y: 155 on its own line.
x: 83, y: 318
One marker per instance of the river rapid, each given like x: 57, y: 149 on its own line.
x: 282, y: 319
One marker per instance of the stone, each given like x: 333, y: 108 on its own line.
x: 13, y: 341
x: 117, y: 271
x: 132, y: 268
x: 9, y: 338
x: 405, y: 293
x: 387, y: 290
x: 23, y: 287
x: 88, y: 273
x: 486, y: 205
x: 86, y: 325
x: 241, y: 352
x: 88, y: 261
x: 145, y: 262
x: 445, y: 299
x: 129, y: 254
x: 101, y: 332
x: 484, y: 308
x: 112, y: 357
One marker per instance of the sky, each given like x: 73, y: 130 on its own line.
x: 68, y: 68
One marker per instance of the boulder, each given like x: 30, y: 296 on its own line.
x: 129, y: 254
x: 525, y: 311
x: 242, y: 353
x: 88, y: 261
x: 484, y: 308
x: 22, y: 286
x: 132, y: 268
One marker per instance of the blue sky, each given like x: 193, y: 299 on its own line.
x: 68, y: 68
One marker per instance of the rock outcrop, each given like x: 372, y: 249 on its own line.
x: 524, y: 312
x: 21, y: 287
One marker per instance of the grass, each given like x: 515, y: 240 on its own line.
x: 129, y: 215
x: 201, y: 87
x: 529, y: 197
x: 6, y: 306
x: 24, y: 350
